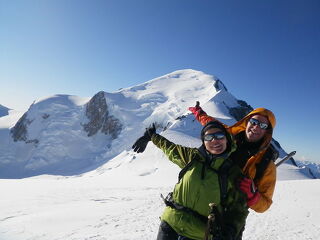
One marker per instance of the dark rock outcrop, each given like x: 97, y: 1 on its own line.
x: 20, y: 131
x: 240, y: 111
x: 100, y: 119
x: 237, y: 112
x: 218, y: 85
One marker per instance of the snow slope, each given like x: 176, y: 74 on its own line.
x: 120, y: 197
x: 121, y: 200
x: 88, y: 208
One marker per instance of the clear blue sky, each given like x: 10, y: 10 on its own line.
x: 266, y: 52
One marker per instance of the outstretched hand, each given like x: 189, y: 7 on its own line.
x: 141, y: 143
x: 196, y: 110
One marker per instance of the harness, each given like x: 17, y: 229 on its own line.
x: 168, y: 200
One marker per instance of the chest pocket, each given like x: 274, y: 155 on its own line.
x: 205, y: 184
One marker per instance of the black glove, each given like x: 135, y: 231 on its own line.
x: 140, y: 145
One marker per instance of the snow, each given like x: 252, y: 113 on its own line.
x: 126, y: 205
x: 9, y: 120
x: 295, y: 213
x: 113, y: 193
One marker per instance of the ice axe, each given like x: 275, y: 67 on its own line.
x: 285, y: 158
x: 214, y: 223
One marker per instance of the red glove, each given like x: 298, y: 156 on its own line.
x: 247, y: 186
x: 196, y: 110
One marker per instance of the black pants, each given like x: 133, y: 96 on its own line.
x: 167, y: 233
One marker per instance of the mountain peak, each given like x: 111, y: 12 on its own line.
x: 4, y: 110
x: 67, y: 135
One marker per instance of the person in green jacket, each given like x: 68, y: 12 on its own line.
x: 207, y: 176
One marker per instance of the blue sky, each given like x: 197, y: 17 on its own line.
x: 266, y: 52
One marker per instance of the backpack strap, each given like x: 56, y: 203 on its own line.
x: 189, y: 164
x: 223, y: 175
x: 185, y: 169
x: 271, y: 154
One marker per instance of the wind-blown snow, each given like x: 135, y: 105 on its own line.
x: 119, y: 198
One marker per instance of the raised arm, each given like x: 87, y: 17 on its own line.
x: 201, y: 115
x: 178, y: 154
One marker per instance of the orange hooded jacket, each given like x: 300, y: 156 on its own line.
x: 266, y: 183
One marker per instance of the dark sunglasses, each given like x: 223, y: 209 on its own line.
x: 215, y: 136
x: 257, y: 122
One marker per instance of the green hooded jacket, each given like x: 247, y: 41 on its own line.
x: 200, y: 186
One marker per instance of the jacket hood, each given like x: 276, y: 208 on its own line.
x: 242, y: 124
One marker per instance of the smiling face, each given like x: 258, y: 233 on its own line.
x: 254, y: 132
x: 215, y: 146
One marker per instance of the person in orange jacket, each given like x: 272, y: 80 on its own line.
x: 255, y: 155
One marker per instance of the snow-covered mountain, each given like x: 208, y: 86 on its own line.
x: 68, y: 135
x: 115, y: 192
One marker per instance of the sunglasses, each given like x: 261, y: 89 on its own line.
x: 215, y: 136
x: 257, y: 122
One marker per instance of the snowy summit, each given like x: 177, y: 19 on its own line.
x: 68, y: 135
